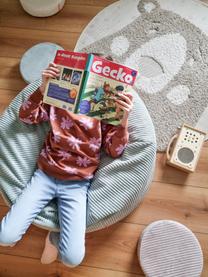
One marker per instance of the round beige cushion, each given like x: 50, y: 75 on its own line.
x: 42, y: 8
x: 169, y: 249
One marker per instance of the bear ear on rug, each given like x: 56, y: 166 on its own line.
x: 118, y: 185
x: 147, y: 6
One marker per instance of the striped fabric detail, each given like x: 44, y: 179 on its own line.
x: 119, y: 184
x: 168, y: 248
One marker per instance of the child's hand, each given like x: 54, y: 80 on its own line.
x: 125, y: 103
x: 51, y: 71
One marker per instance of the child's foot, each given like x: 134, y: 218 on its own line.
x: 50, y: 252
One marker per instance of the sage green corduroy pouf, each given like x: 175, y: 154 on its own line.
x: 118, y: 186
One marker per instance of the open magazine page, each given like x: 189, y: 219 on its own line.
x: 105, y: 80
x: 63, y: 92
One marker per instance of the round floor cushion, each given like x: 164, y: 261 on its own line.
x: 118, y: 185
x: 36, y: 59
x: 42, y: 8
x: 168, y: 248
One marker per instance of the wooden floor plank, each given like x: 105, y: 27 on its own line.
x: 84, y: 271
x: 14, y: 266
x: 168, y: 174
x: 101, y: 3
x: 6, y: 97
x: 10, y: 77
x: 12, y: 40
x: 24, y: 267
x: 186, y: 204
x: 73, y: 18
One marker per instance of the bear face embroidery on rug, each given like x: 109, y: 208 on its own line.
x: 172, y: 57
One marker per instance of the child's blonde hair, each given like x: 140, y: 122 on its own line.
x: 108, y: 57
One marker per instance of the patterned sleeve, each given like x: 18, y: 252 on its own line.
x: 33, y: 110
x: 114, y: 139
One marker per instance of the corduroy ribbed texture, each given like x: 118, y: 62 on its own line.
x: 169, y: 249
x: 118, y: 186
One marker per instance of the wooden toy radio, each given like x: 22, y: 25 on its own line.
x: 184, y: 153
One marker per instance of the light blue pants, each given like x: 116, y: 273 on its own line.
x: 72, y: 200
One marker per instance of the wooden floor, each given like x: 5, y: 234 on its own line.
x: 173, y: 194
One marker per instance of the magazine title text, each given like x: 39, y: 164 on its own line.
x: 120, y: 74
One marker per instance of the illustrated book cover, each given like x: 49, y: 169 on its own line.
x: 88, y: 84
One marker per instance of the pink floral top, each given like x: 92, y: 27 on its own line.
x: 72, y: 147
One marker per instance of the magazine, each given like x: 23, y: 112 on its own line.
x: 88, y: 84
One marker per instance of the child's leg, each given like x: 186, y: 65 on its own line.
x: 72, y: 200
x: 38, y: 192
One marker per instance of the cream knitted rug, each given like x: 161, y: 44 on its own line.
x: 167, y: 41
